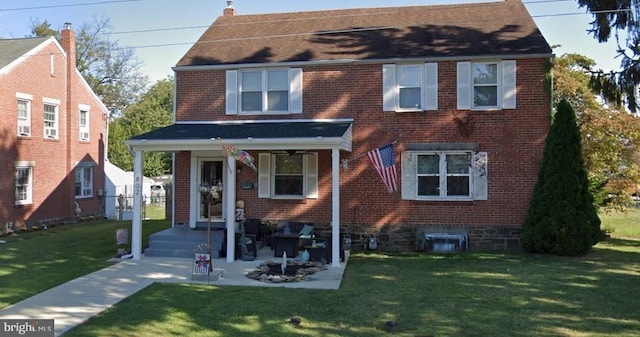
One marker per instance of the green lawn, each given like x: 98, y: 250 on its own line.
x: 465, y: 294
x: 622, y: 225
x: 31, y: 262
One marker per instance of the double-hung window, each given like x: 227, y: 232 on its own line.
x: 288, y: 176
x: 410, y: 87
x: 486, y: 85
x: 84, y: 123
x: 24, y: 118
x: 23, y: 183
x: 264, y: 91
x: 51, y: 118
x: 84, y: 180
x: 444, y: 175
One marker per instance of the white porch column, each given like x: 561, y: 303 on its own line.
x: 335, y: 207
x: 136, y: 222
x: 230, y: 204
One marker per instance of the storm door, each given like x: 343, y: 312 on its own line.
x: 211, y: 173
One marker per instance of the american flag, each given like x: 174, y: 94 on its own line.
x: 384, y: 161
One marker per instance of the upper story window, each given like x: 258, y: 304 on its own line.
x: 288, y: 176
x: 83, y: 122
x: 444, y: 175
x: 264, y: 91
x: 84, y: 180
x: 51, y: 118
x: 23, y: 183
x: 24, y: 118
x: 410, y: 87
x: 487, y: 85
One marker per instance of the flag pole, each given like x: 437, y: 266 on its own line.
x: 345, y: 162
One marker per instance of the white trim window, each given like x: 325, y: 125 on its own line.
x: 264, y: 91
x: 410, y: 87
x: 83, y: 180
x: 50, y: 121
x: 24, y: 184
x: 24, y: 118
x: 489, y: 85
x: 444, y: 175
x: 288, y: 176
x: 83, y: 122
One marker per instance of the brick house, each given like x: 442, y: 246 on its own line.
x: 458, y: 90
x: 53, y: 131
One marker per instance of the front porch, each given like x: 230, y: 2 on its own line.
x: 180, y: 241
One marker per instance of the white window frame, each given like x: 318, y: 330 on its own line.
x: 234, y: 91
x: 477, y: 175
x: 83, y: 180
x: 444, y: 174
x: 425, y: 77
x: 23, y: 190
x: 24, y: 122
x: 505, y: 85
x: 267, y: 176
x: 51, y: 131
x: 83, y: 122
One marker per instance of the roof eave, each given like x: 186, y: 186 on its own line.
x: 359, y: 61
x: 310, y: 143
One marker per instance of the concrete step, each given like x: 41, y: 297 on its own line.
x: 175, y: 252
x: 171, y: 244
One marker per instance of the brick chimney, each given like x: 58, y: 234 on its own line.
x: 229, y: 11
x: 68, y: 42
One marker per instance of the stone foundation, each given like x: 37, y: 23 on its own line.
x: 410, y: 238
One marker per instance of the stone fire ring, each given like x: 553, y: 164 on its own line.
x: 295, y: 271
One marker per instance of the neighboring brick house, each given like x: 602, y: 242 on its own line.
x: 53, y: 133
x: 458, y: 89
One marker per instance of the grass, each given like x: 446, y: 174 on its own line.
x: 31, y: 262
x: 475, y: 294
x: 622, y: 225
x: 155, y: 212
x: 466, y: 294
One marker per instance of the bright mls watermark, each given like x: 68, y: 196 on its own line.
x: 26, y: 327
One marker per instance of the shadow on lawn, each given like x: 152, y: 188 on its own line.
x: 466, y: 294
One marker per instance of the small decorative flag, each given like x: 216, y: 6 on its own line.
x: 384, y: 161
x: 239, y: 155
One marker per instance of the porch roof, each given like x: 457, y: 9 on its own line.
x: 250, y: 135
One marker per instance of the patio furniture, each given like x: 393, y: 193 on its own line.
x: 291, y: 236
x: 249, y: 241
x: 285, y: 243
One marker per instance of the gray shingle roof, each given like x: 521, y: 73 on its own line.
x: 475, y: 29
x: 12, y: 49
x: 256, y: 130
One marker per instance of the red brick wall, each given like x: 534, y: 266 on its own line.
x: 513, y: 139
x: 53, y: 190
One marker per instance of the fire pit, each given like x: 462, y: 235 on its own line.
x: 294, y: 271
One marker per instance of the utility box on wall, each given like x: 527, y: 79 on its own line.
x: 434, y: 238
x: 446, y: 242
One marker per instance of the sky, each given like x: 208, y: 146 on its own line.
x: 161, y: 31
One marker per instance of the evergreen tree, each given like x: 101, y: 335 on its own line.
x: 562, y: 219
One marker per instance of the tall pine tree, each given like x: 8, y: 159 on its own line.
x: 562, y: 218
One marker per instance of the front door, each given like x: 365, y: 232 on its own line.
x: 211, y: 173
